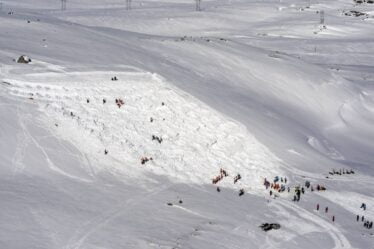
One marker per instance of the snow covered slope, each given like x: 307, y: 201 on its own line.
x: 185, y: 139
x: 260, y: 89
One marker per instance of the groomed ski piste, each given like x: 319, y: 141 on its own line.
x: 157, y: 127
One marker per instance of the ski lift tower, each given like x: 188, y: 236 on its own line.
x: 128, y: 4
x: 322, y: 17
x: 63, y: 5
x: 198, y: 4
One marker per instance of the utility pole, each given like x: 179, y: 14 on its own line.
x: 322, y: 17
x: 63, y: 5
x: 198, y: 3
x: 128, y: 4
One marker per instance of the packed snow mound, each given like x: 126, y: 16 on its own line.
x: 134, y: 122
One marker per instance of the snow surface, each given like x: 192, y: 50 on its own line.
x: 258, y: 88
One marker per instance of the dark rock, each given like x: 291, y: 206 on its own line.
x: 24, y: 59
x: 269, y: 226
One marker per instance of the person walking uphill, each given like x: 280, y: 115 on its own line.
x: 317, y: 207
x: 326, y: 209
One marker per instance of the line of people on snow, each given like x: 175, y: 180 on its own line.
x: 326, y: 211
x: 119, y: 102
x: 143, y: 160
x: 367, y: 224
x: 341, y: 172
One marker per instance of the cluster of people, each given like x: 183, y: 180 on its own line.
x: 341, y: 172
x: 222, y: 174
x: 319, y: 187
x: 143, y: 160
x: 237, y: 178
x: 298, y: 192
x: 278, y: 185
x: 158, y: 139
x: 114, y: 78
x: 275, y: 185
x: 367, y: 224
x: 301, y: 190
x: 119, y: 103
x: 280, y: 179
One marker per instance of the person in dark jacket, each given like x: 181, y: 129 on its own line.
x: 363, y: 206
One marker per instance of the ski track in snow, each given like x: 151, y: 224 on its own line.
x: 339, y: 239
x: 23, y: 140
x: 92, y: 226
x: 50, y: 163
